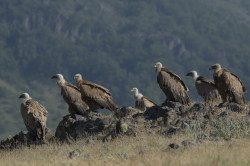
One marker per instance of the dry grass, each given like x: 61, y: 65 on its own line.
x: 145, y: 150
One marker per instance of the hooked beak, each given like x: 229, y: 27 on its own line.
x: 21, y: 96
x: 189, y: 74
x: 54, y: 77
x: 211, y: 68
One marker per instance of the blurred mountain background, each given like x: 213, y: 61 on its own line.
x: 114, y: 43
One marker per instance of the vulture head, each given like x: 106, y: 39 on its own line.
x: 60, y: 79
x: 215, y: 67
x: 158, y: 67
x: 78, y: 77
x: 135, y: 90
x: 194, y: 74
x: 24, y: 96
x: 136, y: 93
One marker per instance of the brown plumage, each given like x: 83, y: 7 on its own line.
x: 34, y: 117
x: 72, y: 96
x: 172, y: 85
x: 205, y: 88
x: 228, y: 84
x: 141, y: 102
x: 95, y: 95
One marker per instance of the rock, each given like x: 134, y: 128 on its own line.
x: 123, y: 155
x: 187, y: 143
x: 23, y: 138
x: 223, y: 114
x: 141, y: 152
x: 74, y: 154
x: 65, y: 130
x: 70, y: 129
x: 234, y: 107
x: 174, y: 146
x: 155, y: 112
x: 167, y: 120
x: 172, y: 131
x: 128, y: 111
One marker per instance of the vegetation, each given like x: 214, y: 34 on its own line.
x: 113, y: 43
x: 143, y: 151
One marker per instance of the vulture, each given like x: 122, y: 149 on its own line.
x: 172, y: 85
x: 228, y: 84
x: 141, y: 102
x: 34, y: 117
x: 95, y: 95
x: 72, y: 96
x: 205, y: 88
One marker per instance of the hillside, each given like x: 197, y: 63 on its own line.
x: 113, y: 43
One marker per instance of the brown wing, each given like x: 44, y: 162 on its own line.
x: 35, y: 117
x: 98, y: 95
x: 147, y: 102
x: 173, y: 87
x: 72, y: 96
x: 207, y: 89
x: 237, y: 78
x: 205, y: 80
x: 175, y: 76
x: 220, y: 85
x: 96, y: 86
x: 233, y: 87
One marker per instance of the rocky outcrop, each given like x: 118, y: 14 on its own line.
x: 71, y: 128
x: 23, y: 138
x: 168, y: 120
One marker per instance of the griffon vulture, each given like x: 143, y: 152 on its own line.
x: 141, y: 102
x: 95, y: 95
x: 205, y: 88
x: 72, y: 96
x: 228, y: 84
x: 34, y: 116
x: 172, y: 85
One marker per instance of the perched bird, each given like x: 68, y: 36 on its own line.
x: 228, y: 84
x: 172, y: 85
x: 72, y: 96
x: 205, y: 88
x: 141, y: 102
x: 95, y: 95
x: 34, y: 116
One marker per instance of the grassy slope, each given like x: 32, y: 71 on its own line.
x: 147, y: 150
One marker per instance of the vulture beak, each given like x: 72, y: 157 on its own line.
x: 189, y: 74
x: 54, y: 77
x: 212, y: 67
x: 21, y: 96
x: 132, y: 90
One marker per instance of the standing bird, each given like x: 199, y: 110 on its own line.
x: 205, y: 88
x: 95, y: 95
x: 34, y: 117
x: 228, y: 84
x: 72, y: 96
x: 141, y: 102
x: 172, y: 85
